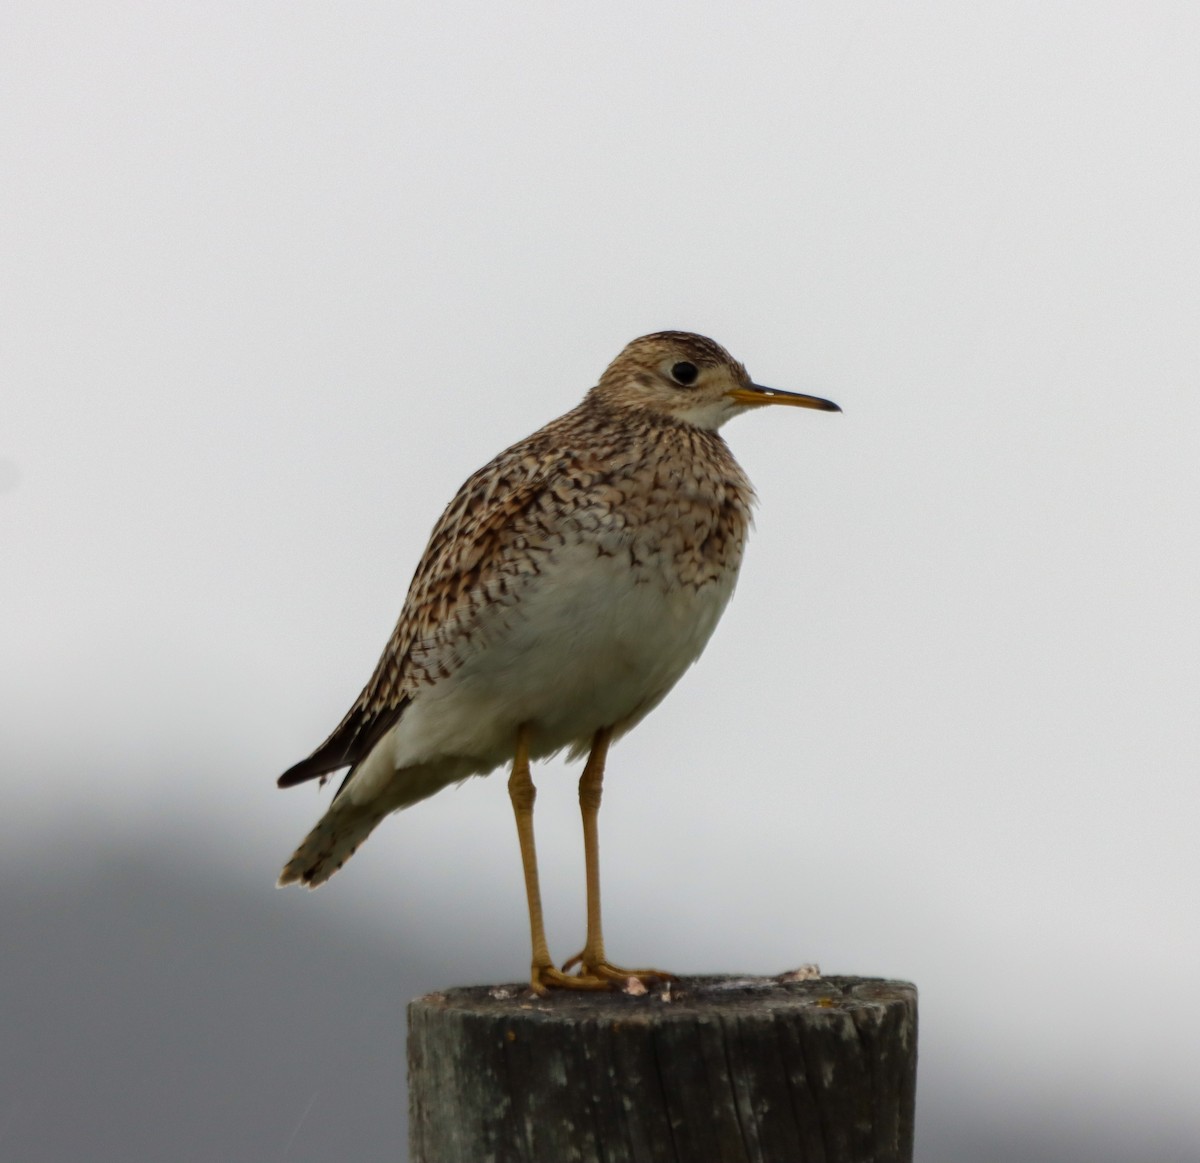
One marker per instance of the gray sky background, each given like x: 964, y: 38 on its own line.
x: 276, y: 278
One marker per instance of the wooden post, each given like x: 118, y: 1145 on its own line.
x: 704, y: 1070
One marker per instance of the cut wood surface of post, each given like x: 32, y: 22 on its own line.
x: 792, y: 1069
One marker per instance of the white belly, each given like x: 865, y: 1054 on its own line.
x: 591, y: 643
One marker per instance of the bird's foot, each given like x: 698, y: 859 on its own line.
x: 544, y: 978
x: 595, y: 966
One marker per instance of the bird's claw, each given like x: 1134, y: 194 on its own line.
x: 592, y: 967
x: 544, y: 978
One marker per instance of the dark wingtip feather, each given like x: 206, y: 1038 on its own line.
x: 313, y: 767
x: 350, y: 743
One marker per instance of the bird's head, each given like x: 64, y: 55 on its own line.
x: 689, y: 378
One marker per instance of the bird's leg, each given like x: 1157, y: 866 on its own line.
x: 522, y: 793
x: 591, y: 958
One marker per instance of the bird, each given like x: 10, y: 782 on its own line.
x: 564, y: 591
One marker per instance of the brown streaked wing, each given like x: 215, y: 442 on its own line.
x: 465, y: 550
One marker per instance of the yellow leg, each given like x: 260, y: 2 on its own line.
x: 522, y: 793
x: 591, y: 958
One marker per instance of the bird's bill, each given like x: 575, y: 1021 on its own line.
x: 757, y: 395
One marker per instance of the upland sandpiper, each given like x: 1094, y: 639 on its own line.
x: 562, y: 594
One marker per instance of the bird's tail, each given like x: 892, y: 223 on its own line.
x: 331, y: 843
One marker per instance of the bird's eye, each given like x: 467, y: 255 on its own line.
x: 685, y: 373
